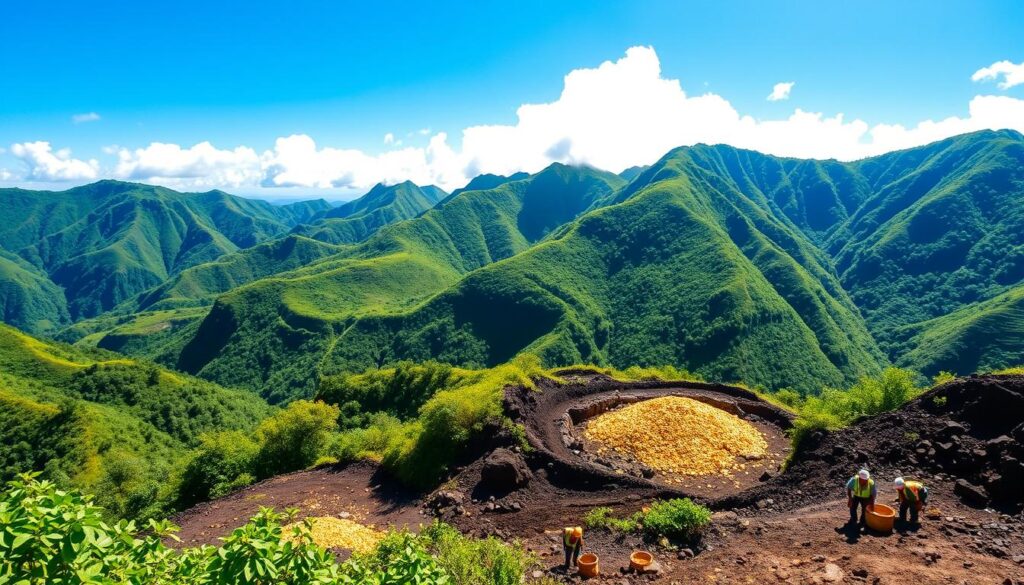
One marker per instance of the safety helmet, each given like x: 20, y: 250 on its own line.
x: 899, y: 482
x: 863, y: 474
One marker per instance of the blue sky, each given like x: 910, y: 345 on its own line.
x: 345, y: 74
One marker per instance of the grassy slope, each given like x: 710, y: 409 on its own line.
x: 977, y: 338
x: 28, y: 299
x: 629, y: 284
x: 383, y: 205
x: 83, y: 415
x: 945, y: 229
x: 105, y: 242
x: 271, y: 334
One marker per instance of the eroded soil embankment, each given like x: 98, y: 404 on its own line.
x: 554, y: 414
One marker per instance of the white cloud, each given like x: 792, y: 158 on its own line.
x: 1012, y: 73
x: 781, y: 91
x: 6, y: 175
x: 619, y: 114
x: 201, y: 166
x: 46, y: 165
x: 389, y: 138
x: 83, y: 118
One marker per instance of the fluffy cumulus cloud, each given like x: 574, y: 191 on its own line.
x: 86, y: 117
x: 44, y: 164
x: 613, y: 116
x: 781, y: 91
x: 1012, y: 74
x: 202, y: 165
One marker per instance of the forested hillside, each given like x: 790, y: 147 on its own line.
x: 727, y: 262
x: 106, y: 242
x: 102, y: 422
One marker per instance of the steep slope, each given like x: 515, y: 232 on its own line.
x: 271, y: 335
x: 944, y: 229
x: 488, y: 181
x: 383, y: 205
x: 687, y: 270
x: 28, y: 299
x: 102, y: 422
x: 105, y: 242
x: 981, y: 337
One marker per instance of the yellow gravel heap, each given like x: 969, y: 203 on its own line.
x: 330, y: 532
x: 678, y: 435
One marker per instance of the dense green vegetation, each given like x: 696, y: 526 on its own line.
x: 55, y: 537
x: 676, y: 519
x: 100, y: 422
x: 277, y: 334
x: 711, y: 260
x: 106, y: 242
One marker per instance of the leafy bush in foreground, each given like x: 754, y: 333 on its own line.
x: 55, y: 537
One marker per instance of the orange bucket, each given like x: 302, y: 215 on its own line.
x: 588, y: 565
x: 881, y: 518
x: 640, y: 560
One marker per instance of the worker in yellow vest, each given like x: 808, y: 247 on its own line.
x: 572, y: 544
x: 860, y: 491
x: 913, y: 496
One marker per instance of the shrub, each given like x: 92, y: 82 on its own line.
x: 601, y: 517
x: 470, y: 561
x: 223, y: 462
x: 677, y: 519
x: 294, y: 437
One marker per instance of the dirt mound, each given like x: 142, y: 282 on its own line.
x: 967, y: 433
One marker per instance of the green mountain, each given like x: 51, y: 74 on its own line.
x: 106, y: 242
x: 272, y: 334
x: 488, y: 181
x: 383, y: 205
x: 101, y: 422
x: 688, y: 269
x: 981, y: 337
x: 944, y: 229
x: 28, y: 299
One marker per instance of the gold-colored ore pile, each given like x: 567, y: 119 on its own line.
x: 330, y: 532
x: 678, y: 435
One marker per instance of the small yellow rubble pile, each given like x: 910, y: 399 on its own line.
x: 678, y: 435
x: 330, y: 532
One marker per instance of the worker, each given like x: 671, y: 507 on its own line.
x: 860, y: 491
x: 572, y: 543
x: 913, y: 496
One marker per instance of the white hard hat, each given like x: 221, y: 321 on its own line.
x: 863, y: 474
x: 899, y: 482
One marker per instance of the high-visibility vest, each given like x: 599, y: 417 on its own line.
x: 862, y: 491
x: 569, y: 539
x: 912, y: 490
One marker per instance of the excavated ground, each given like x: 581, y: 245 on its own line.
x: 964, y: 439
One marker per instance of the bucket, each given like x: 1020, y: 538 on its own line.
x: 881, y: 518
x: 588, y: 565
x: 640, y: 560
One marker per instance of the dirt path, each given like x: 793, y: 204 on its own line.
x: 360, y: 489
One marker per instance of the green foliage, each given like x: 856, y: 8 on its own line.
x: 223, y: 462
x: 680, y: 519
x: 399, y: 391
x: 294, y: 437
x: 56, y: 537
x: 93, y: 420
x: 602, y: 517
x: 943, y: 377
x: 462, y: 403
x: 871, y: 395
x: 106, y: 242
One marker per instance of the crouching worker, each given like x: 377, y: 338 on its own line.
x: 860, y: 491
x: 572, y: 543
x: 913, y: 496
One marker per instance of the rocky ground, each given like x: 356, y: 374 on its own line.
x: 964, y: 440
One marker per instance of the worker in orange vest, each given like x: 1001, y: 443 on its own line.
x: 572, y: 544
x: 913, y: 496
x: 860, y: 491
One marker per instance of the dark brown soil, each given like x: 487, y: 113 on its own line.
x: 360, y: 489
x: 788, y: 528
